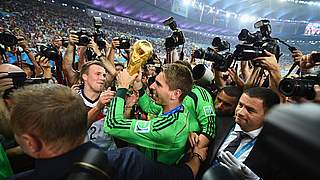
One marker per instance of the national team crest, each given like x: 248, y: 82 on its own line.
x: 208, y: 111
x: 142, y: 126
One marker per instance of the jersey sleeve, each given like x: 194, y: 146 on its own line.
x: 161, y: 133
x: 147, y: 104
x: 205, y: 112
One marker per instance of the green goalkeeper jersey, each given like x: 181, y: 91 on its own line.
x: 202, y: 115
x: 162, y: 139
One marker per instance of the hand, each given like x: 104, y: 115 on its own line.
x: 193, y: 139
x: 232, y: 163
x: 137, y: 84
x: 131, y: 100
x: 93, y: 45
x: 5, y: 83
x: 43, y: 62
x: 76, y: 88
x: 73, y: 38
x: 268, y: 62
x: 201, y: 151
x: 115, y: 43
x: 235, y: 77
x: 23, y: 43
x: 124, y: 79
x: 105, y: 98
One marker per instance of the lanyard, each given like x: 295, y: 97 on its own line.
x: 245, y: 148
x: 172, y: 111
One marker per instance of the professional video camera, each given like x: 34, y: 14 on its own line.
x: 220, y: 45
x: 124, y: 42
x: 221, y: 62
x: 254, y: 44
x: 300, y: 87
x: 48, y: 51
x: 177, y: 37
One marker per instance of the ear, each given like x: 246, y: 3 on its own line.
x: 176, y: 94
x: 31, y: 144
x: 85, y: 77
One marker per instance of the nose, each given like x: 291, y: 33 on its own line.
x: 219, y: 105
x: 152, y: 86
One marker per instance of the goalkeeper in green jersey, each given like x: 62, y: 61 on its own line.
x: 163, y: 138
x: 202, y: 114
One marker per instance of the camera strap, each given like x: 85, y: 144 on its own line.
x: 291, y: 69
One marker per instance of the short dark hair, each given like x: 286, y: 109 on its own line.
x: 269, y: 97
x: 185, y: 63
x: 233, y: 91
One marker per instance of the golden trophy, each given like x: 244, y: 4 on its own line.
x: 141, y: 51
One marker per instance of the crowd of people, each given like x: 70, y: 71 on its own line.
x: 98, y: 108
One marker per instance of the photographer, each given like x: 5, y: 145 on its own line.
x: 306, y: 61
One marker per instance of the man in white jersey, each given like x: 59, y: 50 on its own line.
x: 93, y: 77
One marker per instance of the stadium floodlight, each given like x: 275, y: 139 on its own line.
x: 186, y: 2
x: 228, y: 14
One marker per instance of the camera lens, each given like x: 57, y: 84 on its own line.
x: 287, y: 87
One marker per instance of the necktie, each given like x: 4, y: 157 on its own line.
x: 232, y: 147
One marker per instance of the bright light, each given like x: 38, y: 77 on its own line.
x: 228, y: 15
x: 246, y: 18
x: 186, y: 2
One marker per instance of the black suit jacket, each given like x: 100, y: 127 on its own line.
x: 258, y: 161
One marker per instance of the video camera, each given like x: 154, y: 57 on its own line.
x: 301, y: 86
x: 220, y: 45
x: 7, y: 38
x: 221, y: 62
x: 177, y: 37
x: 254, y: 44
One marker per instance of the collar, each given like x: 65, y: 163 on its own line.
x: 178, y: 108
x: 253, y: 134
x: 88, y: 99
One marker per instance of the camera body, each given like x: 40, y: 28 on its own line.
x: 177, y: 37
x: 255, y: 43
x: 221, y: 62
x: 124, y: 42
x: 7, y: 38
x: 48, y: 51
x: 84, y: 36
x: 98, y: 35
x: 301, y: 86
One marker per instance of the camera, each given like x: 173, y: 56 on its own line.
x: 19, y: 79
x: 7, y: 38
x: 124, y: 42
x: 221, y: 62
x: 301, y: 87
x: 255, y: 43
x: 92, y: 166
x: 84, y: 36
x: 177, y: 37
x: 48, y: 51
x: 220, y: 45
x: 98, y: 36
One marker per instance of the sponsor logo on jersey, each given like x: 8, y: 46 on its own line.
x: 208, y: 111
x: 142, y: 126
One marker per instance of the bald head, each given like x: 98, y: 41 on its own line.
x: 9, y: 68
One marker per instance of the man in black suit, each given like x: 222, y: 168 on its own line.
x: 248, y: 122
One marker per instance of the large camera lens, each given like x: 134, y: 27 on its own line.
x: 297, y: 87
x: 7, y: 38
